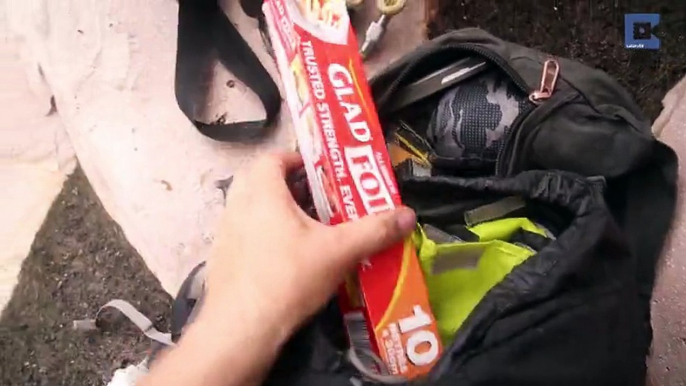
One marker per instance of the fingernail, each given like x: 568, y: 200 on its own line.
x: 406, y: 220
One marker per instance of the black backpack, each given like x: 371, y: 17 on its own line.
x: 584, y: 162
x: 590, y: 126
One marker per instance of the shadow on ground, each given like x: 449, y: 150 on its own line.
x: 80, y: 260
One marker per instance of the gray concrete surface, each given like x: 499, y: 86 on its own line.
x: 667, y: 364
x: 405, y: 32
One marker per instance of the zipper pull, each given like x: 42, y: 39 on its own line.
x: 551, y: 71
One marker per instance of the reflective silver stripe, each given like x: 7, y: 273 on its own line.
x: 494, y: 210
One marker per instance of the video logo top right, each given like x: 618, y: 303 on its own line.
x: 638, y: 31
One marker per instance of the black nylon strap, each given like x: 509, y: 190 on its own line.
x: 204, y: 31
x: 183, y: 304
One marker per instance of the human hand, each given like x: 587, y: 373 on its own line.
x: 279, y: 260
x: 271, y: 267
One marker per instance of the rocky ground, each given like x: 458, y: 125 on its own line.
x: 79, y: 261
x: 591, y: 31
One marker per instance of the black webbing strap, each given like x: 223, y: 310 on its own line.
x: 187, y: 300
x: 206, y: 33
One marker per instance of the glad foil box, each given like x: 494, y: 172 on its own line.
x: 385, y: 305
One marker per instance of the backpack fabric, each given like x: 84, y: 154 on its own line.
x: 585, y: 162
x: 570, y: 313
x: 590, y: 126
x: 584, y: 168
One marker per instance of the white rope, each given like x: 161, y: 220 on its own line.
x: 136, y: 317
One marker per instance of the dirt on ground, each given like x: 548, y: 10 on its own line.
x: 79, y: 261
x: 591, y: 31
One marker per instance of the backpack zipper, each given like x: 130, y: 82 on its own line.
x: 498, y: 61
x: 509, y: 138
x: 549, y: 76
x: 551, y: 71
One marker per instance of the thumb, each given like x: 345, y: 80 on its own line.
x: 372, y: 234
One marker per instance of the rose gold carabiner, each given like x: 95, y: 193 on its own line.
x: 551, y: 71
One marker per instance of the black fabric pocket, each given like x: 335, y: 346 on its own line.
x: 582, y: 140
x: 578, y: 339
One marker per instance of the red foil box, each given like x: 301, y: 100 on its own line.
x: 385, y: 305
